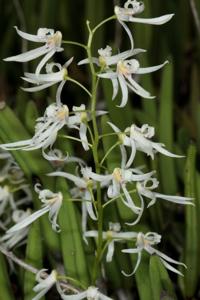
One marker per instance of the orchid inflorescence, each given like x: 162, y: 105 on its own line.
x: 121, y: 69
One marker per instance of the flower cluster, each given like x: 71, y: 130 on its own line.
x: 95, y: 187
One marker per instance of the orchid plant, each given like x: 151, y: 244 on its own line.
x: 91, y: 182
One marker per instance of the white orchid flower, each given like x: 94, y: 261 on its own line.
x: 79, y: 121
x: 139, y: 139
x: 84, y: 187
x: 52, y: 45
x: 46, y: 130
x: 145, y: 188
x: 51, y: 204
x: 42, y: 81
x: 112, y: 236
x: 132, y: 8
x: 123, y: 77
x: 117, y: 181
x: 13, y: 239
x: 145, y: 242
x: 45, y: 284
x: 92, y: 293
x: 106, y: 59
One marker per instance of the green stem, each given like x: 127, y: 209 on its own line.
x: 75, y: 44
x: 117, y: 197
x: 109, y: 151
x: 103, y: 22
x: 73, y: 138
x: 95, y: 156
x: 95, y: 82
x: 80, y: 85
x: 108, y: 134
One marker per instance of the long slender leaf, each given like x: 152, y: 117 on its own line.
x: 5, y: 286
x: 33, y: 257
x: 75, y: 261
x: 161, y: 284
x: 191, y: 240
x: 167, y: 165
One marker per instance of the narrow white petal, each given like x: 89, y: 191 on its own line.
x: 115, y: 85
x: 90, y: 210
x: 167, y: 258
x: 142, y: 177
x: 49, y: 77
x: 175, y: 199
x: 15, y: 145
x: 59, y: 91
x: 139, y: 214
x: 84, y: 219
x: 30, y: 37
x: 108, y: 75
x: 38, y: 87
x: 154, y: 21
x: 128, y: 32
x: 113, y: 60
x: 137, y: 263
x: 138, y: 89
x: 111, y: 248
x: 83, y: 136
x: 169, y: 267
x: 28, y: 220
x: 30, y: 80
x: 78, y: 181
x: 124, y: 90
x: 29, y: 55
x: 129, y: 201
x: 160, y: 148
x: 44, y: 61
x: 133, y: 153
x: 98, y: 177
x: 151, y: 69
x: 124, y: 235
x: 79, y: 296
x: 114, y: 127
x: 87, y: 61
x: 91, y: 233
x: 68, y: 62
x: 124, y: 156
x: 41, y: 294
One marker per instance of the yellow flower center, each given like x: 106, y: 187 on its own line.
x: 102, y: 61
x: 89, y: 183
x: 55, y: 40
x: 121, y: 137
x: 122, y: 68
x: 83, y: 116
x: 109, y: 234
x: 117, y: 174
x: 63, y: 113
